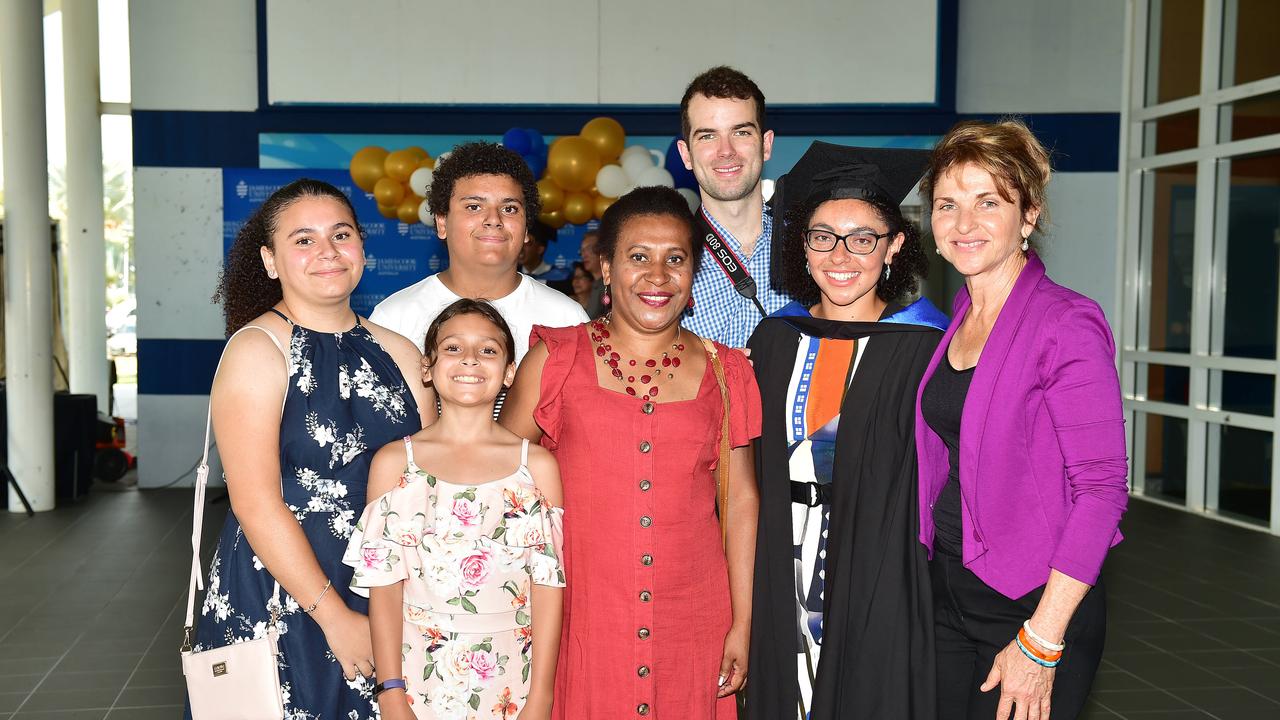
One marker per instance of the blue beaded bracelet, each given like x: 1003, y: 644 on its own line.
x: 1033, y: 658
x: 394, y: 683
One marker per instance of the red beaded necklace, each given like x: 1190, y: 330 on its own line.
x: 650, y: 370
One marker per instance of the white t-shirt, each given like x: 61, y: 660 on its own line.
x: 410, y: 311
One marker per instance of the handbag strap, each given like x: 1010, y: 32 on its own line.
x: 197, y: 512
x: 722, y: 469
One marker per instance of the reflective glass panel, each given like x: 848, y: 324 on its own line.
x: 1174, y: 35
x: 1169, y: 201
x: 1249, y: 213
x: 1166, y: 458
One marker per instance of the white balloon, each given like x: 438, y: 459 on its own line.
x: 424, y: 214
x: 636, y: 164
x: 656, y: 176
x: 690, y: 197
x: 612, y: 181
x: 420, y: 181
x: 441, y: 157
x: 634, y: 150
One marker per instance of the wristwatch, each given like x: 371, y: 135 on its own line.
x: 391, y: 684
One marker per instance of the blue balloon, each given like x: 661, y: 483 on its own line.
x: 537, y: 145
x: 537, y: 163
x: 517, y: 141
x: 675, y: 165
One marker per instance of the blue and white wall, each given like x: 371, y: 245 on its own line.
x: 210, y: 78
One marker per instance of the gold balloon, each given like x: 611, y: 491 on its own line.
x: 428, y: 162
x: 602, y: 203
x: 607, y: 136
x: 418, y: 152
x: 551, y: 195
x: 552, y: 219
x: 407, y: 210
x: 367, y: 167
x: 388, y: 211
x: 573, y: 163
x: 389, y: 192
x: 578, y: 207
x: 401, y: 164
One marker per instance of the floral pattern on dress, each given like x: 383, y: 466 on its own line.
x: 469, y: 555
x: 323, y: 437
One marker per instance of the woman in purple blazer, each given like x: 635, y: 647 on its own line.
x: 1021, y: 445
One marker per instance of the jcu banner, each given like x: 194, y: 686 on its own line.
x: 396, y: 255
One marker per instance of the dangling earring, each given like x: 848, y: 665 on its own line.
x: 690, y: 303
x: 1025, y: 245
x: 605, y: 300
x: 888, y: 270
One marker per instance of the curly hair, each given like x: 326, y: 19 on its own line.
x: 723, y: 82
x: 481, y: 158
x: 655, y: 200
x: 1006, y: 149
x: 244, y: 290
x: 468, y: 306
x: 909, y: 265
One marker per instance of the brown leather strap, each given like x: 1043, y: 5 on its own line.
x: 722, y: 469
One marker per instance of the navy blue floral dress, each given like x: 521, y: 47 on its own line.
x: 345, y: 397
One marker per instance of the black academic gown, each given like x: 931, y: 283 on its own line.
x: 877, y: 659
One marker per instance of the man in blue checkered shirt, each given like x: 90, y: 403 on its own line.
x: 725, y: 144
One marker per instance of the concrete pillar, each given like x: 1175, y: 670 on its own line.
x: 28, y: 306
x: 85, y: 259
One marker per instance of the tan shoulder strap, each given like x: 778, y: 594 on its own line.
x: 722, y: 469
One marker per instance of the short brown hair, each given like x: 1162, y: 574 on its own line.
x: 1007, y: 149
x: 721, y: 81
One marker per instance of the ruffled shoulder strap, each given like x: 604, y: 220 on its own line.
x: 562, y: 351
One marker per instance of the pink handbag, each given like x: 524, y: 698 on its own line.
x: 240, y: 681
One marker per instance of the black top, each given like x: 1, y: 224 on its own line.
x: 877, y: 645
x: 942, y: 405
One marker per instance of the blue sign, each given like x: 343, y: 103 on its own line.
x: 396, y: 254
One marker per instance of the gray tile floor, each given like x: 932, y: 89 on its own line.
x: 91, y: 602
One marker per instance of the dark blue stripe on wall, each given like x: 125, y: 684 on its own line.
x: 177, y: 367
x: 1085, y: 142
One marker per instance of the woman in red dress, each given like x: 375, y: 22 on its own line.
x: 656, y: 612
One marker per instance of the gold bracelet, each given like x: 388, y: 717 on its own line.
x: 328, y: 584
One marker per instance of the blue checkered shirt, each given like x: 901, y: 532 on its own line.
x: 719, y: 312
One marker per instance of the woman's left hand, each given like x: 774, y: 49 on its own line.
x: 733, y: 663
x: 1025, y: 687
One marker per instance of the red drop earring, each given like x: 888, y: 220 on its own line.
x: 690, y: 304
x: 604, y: 298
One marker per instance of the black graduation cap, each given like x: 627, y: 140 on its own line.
x: 833, y: 172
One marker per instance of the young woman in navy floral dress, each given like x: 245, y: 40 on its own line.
x: 299, y: 400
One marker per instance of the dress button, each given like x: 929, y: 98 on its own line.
x: 645, y: 485
x: 645, y: 446
x: 643, y: 633
x: 643, y: 671
x: 645, y: 596
x: 643, y: 708
x: 646, y: 559
x: 647, y: 408
x: 645, y: 521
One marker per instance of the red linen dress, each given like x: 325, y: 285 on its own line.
x: 646, y: 606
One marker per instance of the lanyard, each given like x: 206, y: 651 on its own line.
x: 733, y: 268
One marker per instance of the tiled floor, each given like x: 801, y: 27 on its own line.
x: 91, y: 602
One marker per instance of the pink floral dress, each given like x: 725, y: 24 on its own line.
x: 467, y: 555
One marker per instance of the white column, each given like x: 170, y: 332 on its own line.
x: 85, y: 258
x: 28, y: 307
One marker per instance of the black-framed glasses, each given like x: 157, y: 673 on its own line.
x: 862, y: 242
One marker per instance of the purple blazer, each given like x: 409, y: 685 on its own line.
x: 1043, y: 465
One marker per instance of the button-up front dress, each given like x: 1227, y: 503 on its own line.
x: 646, y: 607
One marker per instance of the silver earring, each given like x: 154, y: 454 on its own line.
x: 938, y: 250
x: 272, y: 274
x: 1025, y: 245
x: 887, y: 272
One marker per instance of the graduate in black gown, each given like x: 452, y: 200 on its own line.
x: 842, y: 622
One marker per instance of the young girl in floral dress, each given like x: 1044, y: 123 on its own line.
x: 463, y: 570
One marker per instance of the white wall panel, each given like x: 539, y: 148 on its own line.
x: 170, y: 429
x: 1042, y: 56
x: 178, y: 251
x: 194, y: 54
x: 597, y: 51
x: 1081, y: 247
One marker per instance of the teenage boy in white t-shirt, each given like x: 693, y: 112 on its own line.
x: 483, y: 196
